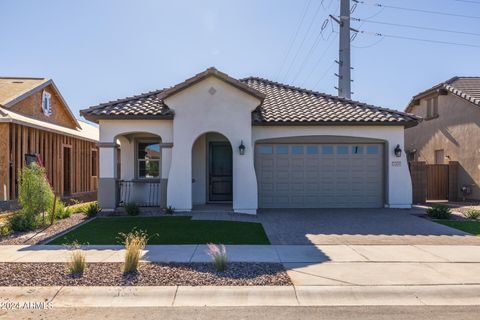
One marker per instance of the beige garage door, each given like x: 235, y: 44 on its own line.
x: 320, y: 175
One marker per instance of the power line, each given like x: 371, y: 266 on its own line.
x: 468, y: 1
x: 369, y: 45
x: 302, y: 42
x: 416, y: 27
x: 417, y: 39
x: 312, y: 49
x: 419, y: 10
x: 324, y: 74
x: 292, y: 40
x: 317, y: 63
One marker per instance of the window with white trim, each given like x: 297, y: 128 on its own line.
x: 47, y: 103
x: 148, y: 160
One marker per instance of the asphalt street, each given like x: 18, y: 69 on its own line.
x: 255, y: 313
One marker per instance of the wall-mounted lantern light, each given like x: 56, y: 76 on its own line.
x: 398, y: 151
x: 241, y: 148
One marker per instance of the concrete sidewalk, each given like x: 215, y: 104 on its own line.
x: 302, y: 254
x: 313, y: 265
x: 58, y: 297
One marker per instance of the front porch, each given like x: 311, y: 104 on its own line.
x: 141, y: 168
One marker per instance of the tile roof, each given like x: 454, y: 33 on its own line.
x: 282, y: 104
x: 286, y: 104
x: 145, y: 105
x: 467, y: 88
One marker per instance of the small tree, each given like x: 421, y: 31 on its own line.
x: 35, y: 194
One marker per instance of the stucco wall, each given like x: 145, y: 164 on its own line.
x: 198, y: 111
x: 456, y: 131
x: 199, y: 175
x: 111, y: 131
x: 398, y: 185
x: 228, y: 112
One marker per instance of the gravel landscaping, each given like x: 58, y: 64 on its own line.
x: 40, y: 235
x: 149, y: 274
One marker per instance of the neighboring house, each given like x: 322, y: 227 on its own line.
x: 450, y: 130
x: 37, y: 125
x: 251, y: 143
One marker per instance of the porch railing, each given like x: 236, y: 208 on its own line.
x: 145, y: 193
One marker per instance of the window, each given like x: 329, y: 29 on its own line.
x: 327, y: 150
x: 148, y: 160
x: 312, y: 150
x: 94, y: 163
x: 46, y: 103
x: 432, y: 107
x: 372, y: 150
x: 439, y: 156
x: 297, y: 150
x: 266, y: 149
x: 342, y: 150
x: 282, y: 149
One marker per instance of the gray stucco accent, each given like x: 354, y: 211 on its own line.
x: 166, y: 145
x: 107, y: 193
x: 163, y: 193
x: 107, y: 145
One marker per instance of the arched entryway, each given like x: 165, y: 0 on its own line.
x: 139, y: 169
x: 212, y: 170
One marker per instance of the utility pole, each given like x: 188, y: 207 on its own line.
x: 344, y: 78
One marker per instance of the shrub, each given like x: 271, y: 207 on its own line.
x: 132, y: 209
x: 5, y: 230
x: 218, y: 255
x: 471, y: 213
x: 169, y: 210
x: 34, y: 193
x: 62, y: 212
x: 77, y: 263
x: 134, y: 242
x: 91, y: 210
x: 23, y: 221
x: 439, y: 211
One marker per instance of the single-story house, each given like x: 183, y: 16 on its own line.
x: 36, y: 124
x: 450, y: 132
x: 252, y: 143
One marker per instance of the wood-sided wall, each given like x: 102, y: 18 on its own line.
x: 21, y: 140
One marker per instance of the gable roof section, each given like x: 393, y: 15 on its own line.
x: 467, y: 88
x: 208, y: 73
x: 289, y: 105
x: 143, y: 106
x: 281, y: 105
x: 15, y: 89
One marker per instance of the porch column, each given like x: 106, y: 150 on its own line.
x: 107, y: 182
x: 179, y: 188
x: 166, y: 149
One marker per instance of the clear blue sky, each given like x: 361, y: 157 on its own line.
x: 102, y: 50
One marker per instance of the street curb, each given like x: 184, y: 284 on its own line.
x: 184, y: 296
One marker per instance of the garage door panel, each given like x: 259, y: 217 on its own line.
x: 316, y: 175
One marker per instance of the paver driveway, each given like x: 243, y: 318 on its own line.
x: 357, y: 226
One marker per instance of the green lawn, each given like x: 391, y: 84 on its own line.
x: 472, y: 227
x: 167, y: 230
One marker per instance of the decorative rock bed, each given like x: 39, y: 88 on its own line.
x: 40, y: 235
x: 149, y: 274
